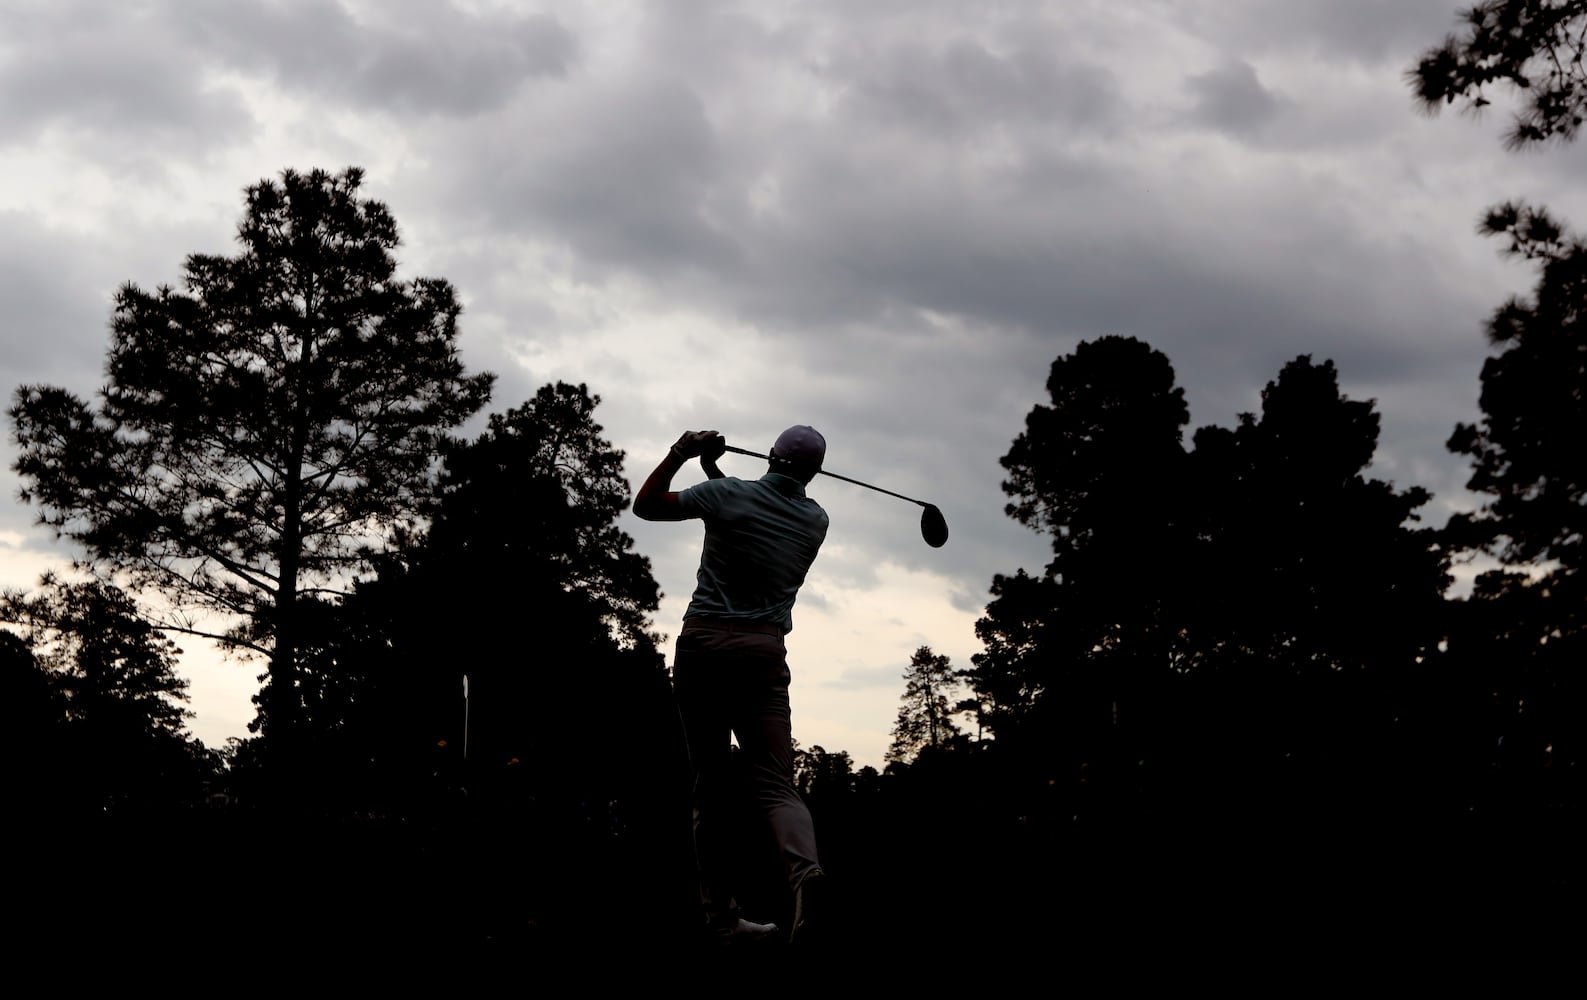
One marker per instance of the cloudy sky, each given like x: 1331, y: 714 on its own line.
x: 882, y: 218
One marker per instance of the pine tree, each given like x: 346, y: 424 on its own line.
x: 260, y: 430
x: 925, y: 718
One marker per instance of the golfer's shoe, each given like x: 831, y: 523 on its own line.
x: 810, y: 907
x: 744, y: 932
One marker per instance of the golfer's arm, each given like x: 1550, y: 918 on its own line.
x: 655, y: 500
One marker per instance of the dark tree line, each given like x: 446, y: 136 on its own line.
x: 1250, y: 613
x: 1216, y: 620
x: 96, y: 712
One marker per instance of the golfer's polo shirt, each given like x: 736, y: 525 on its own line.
x: 760, y: 539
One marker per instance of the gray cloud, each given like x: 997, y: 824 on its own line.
x: 1232, y: 99
x: 413, y: 56
x: 100, y: 76
x: 965, y: 89
x: 864, y: 227
x: 1352, y: 32
x: 884, y: 208
x: 888, y: 678
x: 54, y: 323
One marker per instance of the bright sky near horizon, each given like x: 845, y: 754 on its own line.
x: 884, y: 219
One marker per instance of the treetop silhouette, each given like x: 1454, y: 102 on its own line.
x: 927, y: 707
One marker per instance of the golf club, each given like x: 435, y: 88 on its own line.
x: 933, y: 526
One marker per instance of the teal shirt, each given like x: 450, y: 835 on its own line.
x: 760, y: 539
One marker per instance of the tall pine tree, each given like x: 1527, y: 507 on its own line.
x: 261, y: 429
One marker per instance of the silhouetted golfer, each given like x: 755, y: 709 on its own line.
x: 730, y: 671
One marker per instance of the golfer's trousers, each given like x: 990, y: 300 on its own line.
x: 732, y: 680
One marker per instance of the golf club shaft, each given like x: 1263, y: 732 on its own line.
x: 834, y: 475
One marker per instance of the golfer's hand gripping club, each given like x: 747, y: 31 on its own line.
x: 700, y: 444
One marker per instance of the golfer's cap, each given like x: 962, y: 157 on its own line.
x: 801, y: 445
